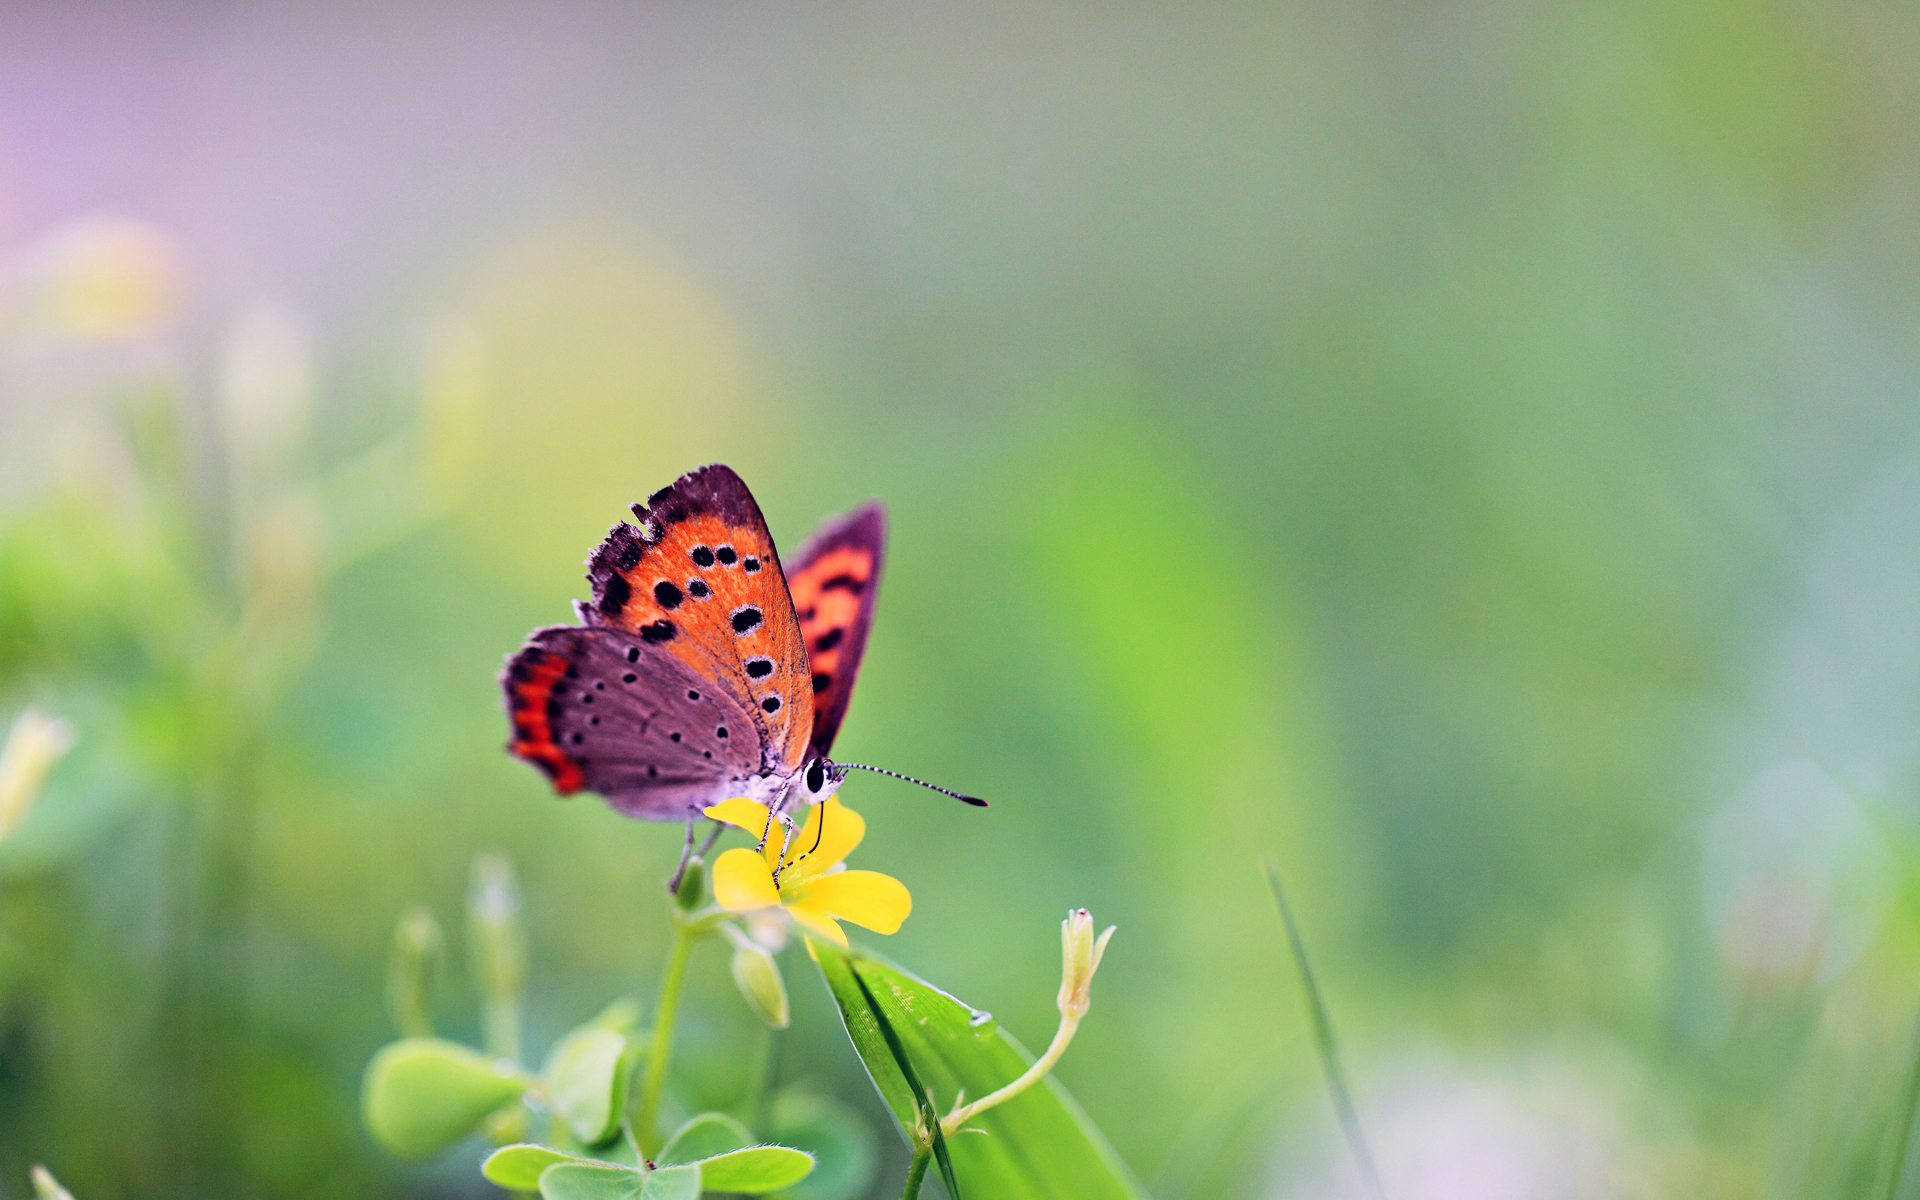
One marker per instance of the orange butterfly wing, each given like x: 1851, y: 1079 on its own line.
x: 834, y: 582
x: 699, y: 579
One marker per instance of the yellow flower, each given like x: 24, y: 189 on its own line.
x: 809, y: 884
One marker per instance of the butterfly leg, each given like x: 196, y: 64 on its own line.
x: 686, y: 855
x: 718, y: 829
x: 786, y: 843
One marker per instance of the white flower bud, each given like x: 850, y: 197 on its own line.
x: 1080, y: 954
x: 34, y: 744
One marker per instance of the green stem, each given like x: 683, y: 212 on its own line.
x: 955, y: 1120
x: 766, y: 1060
x: 660, y: 1048
x: 917, y: 1173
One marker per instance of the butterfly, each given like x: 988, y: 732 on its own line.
x: 702, y: 669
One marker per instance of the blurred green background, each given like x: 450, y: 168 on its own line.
x: 1470, y: 451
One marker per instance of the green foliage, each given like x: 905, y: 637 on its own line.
x: 586, y: 1078
x: 845, y: 1152
x: 1039, y: 1144
x: 584, y: 1181
x: 712, y: 1152
x: 518, y: 1168
x: 703, y: 1137
x: 755, y: 1170
x: 422, y: 1095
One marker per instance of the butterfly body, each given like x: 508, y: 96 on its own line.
x: 692, y: 676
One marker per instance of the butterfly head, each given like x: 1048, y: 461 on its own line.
x: 818, y: 780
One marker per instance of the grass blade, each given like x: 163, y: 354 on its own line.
x: 1903, y: 1133
x: 1324, y: 1041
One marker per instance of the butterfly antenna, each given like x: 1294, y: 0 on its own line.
x: 976, y: 801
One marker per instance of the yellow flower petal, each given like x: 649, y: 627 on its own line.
x: 814, y: 850
x: 825, y: 927
x: 741, y: 812
x: 878, y: 902
x: 742, y: 882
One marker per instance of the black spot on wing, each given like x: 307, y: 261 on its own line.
x: 726, y: 555
x: 846, y: 583
x: 746, y: 619
x: 702, y: 557
x: 667, y: 595
x: 829, y: 639
x: 659, y: 631
x: 697, y: 589
x: 614, y: 594
x: 759, y: 668
x: 821, y: 682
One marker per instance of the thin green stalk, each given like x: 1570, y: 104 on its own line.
x: 917, y: 1172
x: 660, y: 1048
x: 954, y: 1121
x: 1323, y: 1039
x: 1903, y: 1132
x: 766, y: 1061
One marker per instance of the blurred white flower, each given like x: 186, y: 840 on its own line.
x: 1440, y: 1133
x: 265, y: 381
x: 1795, y: 881
x: 100, y: 278
x: 34, y: 744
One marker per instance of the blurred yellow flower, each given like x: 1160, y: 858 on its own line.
x: 810, y: 884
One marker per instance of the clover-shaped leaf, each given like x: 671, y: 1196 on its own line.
x: 587, y: 1181
x: 703, y: 1137
x: 422, y: 1095
x: 518, y: 1168
x: 587, y: 1082
x: 755, y: 1170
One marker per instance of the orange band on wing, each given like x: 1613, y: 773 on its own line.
x: 531, y: 680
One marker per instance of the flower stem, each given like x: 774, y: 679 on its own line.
x: 917, y: 1172
x: 660, y: 1048
x: 952, y: 1122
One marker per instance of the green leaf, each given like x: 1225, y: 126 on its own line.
x: 620, y: 1016
x: 518, y: 1167
x: 929, y: 1116
x: 844, y: 1149
x: 581, y: 1181
x: 586, y: 1084
x: 422, y: 1095
x: 755, y: 1170
x: 703, y: 1137
x: 1040, y: 1145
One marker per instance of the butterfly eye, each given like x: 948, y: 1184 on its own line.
x: 816, y: 776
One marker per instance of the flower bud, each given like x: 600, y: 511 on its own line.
x: 34, y: 744
x: 760, y: 984
x: 46, y: 1187
x: 497, y: 950
x: 1080, y: 954
x: 693, y: 886
x: 413, y: 972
